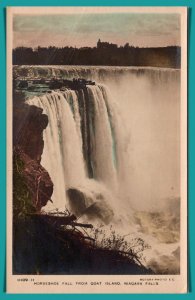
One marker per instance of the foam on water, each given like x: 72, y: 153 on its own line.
x: 117, y: 142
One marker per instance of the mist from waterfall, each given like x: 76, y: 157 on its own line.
x: 118, y: 142
x: 79, y: 150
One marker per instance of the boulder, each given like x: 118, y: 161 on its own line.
x: 94, y: 207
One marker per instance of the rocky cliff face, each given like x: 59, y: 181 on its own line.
x: 29, y: 123
x: 36, y: 179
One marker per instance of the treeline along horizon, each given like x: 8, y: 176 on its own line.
x: 168, y: 57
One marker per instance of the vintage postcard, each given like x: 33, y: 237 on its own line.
x: 97, y: 150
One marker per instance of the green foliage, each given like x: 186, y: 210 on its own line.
x: 22, y: 202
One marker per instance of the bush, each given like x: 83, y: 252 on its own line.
x: 111, y: 240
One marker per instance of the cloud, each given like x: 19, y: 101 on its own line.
x: 118, y: 26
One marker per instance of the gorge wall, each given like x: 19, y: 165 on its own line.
x: 28, y: 144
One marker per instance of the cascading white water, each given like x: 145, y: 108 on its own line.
x: 52, y: 158
x: 102, y: 157
x: 63, y: 150
x: 118, y: 141
x: 61, y: 139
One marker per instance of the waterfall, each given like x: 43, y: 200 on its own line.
x: 101, y: 74
x: 135, y: 122
x: 78, y: 141
x: 102, y: 145
x: 113, y: 150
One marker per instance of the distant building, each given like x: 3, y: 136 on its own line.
x: 106, y: 45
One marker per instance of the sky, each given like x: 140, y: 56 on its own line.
x: 82, y: 30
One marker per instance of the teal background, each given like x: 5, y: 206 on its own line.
x: 191, y: 135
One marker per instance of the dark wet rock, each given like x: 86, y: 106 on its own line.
x: 52, y: 84
x: 83, y: 204
x: 29, y: 123
x: 23, y: 84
